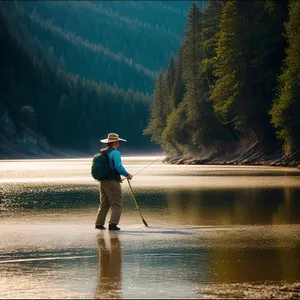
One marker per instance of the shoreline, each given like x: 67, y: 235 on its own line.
x: 176, y: 160
x: 190, y: 160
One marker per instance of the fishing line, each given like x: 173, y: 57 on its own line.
x: 158, y: 158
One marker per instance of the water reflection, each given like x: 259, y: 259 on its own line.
x: 233, y: 266
x: 185, y: 206
x: 209, y: 227
x: 236, y: 207
x: 109, y: 283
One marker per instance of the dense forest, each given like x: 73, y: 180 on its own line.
x: 92, y: 39
x: 219, y: 78
x: 232, y: 93
x: 72, y: 71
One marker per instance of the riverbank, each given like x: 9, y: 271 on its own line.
x: 235, y: 158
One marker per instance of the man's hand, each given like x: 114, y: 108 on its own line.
x: 129, y: 176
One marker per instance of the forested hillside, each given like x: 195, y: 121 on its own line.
x: 232, y: 94
x: 114, y: 42
x: 72, y: 71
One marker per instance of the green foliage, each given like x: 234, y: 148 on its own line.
x: 109, y: 41
x: 226, y: 78
x: 178, y: 89
x: 189, y: 124
x: 196, y: 98
x: 170, y: 74
x: 285, y: 111
x: 249, y: 40
x: 235, y: 58
x: 229, y: 62
x: 158, y: 110
x: 176, y: 133
x: 67, y: 110
x: 169, y: 82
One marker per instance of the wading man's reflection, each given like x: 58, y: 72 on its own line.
x: 110, y: 261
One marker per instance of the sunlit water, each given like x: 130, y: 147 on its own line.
x: 214, y: 232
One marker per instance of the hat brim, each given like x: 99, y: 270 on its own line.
x: 105, y: 141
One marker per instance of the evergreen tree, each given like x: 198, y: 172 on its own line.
x: 158, y: 110
x: 211, y: 18
x: 285, y: 111
x: 248, y: 54
x: 191, y: 57
x: 170, y: 74
x: 266, y: 53
x: 178, y: 89
x: 235, y: 49
x: 229, y: 65
x: 177, y: 134
x: 199, y: 107
x: 169, y: 82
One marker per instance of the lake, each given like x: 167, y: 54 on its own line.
x: 214, y: 232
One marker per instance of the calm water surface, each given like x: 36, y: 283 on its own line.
x: 214, y: 232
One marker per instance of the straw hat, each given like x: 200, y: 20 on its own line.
x: 112, y: 137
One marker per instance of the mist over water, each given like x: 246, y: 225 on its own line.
x: 214, y: 231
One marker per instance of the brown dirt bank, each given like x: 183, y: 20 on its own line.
x: 188, y: 160
x: 255, y: 157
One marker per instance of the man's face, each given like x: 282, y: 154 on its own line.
x: 117, y: 144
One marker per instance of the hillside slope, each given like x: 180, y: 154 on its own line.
x: 44, y: 107
x: 110, y: 41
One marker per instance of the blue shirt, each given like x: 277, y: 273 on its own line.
x: 115, y: 162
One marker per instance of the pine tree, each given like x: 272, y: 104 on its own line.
x: 191, y: 57
x: 178, y: 89
x: 266, y: 53
x: 233, y: 92
x: 198, y: 106
x: 211, y: 18
x: 170, y: 74
x: 285, y: 111
x: 173, y: 136
x: 228, y: 63
x: 248, y: 55
x: 177, y: 134
x: 169, y: 82
x: 158, y: 116
x: 191, y: 60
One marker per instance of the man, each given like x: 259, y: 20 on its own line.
x: 110, y: 188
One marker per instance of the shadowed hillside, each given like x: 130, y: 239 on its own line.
x: 73, y: 71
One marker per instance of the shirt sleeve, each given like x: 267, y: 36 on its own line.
x: 116, y: 156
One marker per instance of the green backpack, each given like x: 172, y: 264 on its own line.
x: 100, y: 166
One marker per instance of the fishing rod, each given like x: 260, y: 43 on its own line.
x: 135, y: 202
x: 130, y: 187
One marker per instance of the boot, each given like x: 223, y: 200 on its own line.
x: 113, y: 227
x: 101, y: 227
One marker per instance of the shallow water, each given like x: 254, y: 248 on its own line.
x: 214, y: 232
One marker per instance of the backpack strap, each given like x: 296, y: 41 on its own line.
x: 107, y: 153
x: 113, y: 173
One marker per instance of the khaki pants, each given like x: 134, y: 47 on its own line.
x: 110, y: 196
